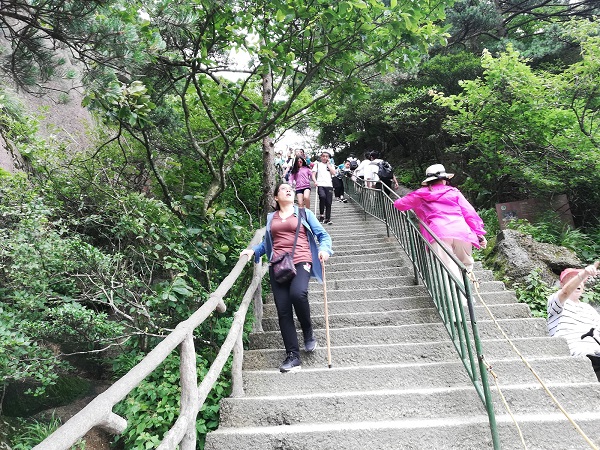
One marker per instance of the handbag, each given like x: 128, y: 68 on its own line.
x: 283, y: 265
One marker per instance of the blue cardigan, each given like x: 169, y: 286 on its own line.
x: 314, y: 231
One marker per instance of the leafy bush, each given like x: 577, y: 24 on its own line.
x: 32, y: 432
x: 535, y: 293
x: 153, y: 406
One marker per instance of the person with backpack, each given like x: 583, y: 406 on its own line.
x: 379, y: 172
x: 354, y: 162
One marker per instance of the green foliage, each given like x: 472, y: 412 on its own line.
x: 550, y: 229
x: 24, y: 398
x: 521, y: 133
x: 153, y: 406
x: 32, y: 432
x: 535, y: 293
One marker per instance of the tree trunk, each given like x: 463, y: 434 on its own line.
x: 267, y: 148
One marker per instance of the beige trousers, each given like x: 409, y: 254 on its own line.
x: 463, y: 251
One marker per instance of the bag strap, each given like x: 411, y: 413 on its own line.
x: 301, y: 213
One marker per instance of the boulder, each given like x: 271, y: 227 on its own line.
x: 517, y: 254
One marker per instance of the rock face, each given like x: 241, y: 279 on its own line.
x: 58, y: 108
x: 517, y: 254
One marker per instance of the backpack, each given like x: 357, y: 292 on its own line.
x: 386, y: 171
x: 353, y: 163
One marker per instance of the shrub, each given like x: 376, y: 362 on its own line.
x: 534, y: 292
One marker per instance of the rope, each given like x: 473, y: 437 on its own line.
x: 569, y: 418
x: 506, y: 405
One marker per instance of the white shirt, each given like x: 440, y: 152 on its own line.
x: 372, y: 169
x: 322, y: 174
x: 360, y: 170
x: 570, y: 321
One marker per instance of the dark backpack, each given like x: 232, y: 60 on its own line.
x: 353, y: 164
x: 386, y: 171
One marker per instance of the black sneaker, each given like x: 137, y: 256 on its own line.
x: 345, y: 200
x: 310, y: 344
x: 329, y: 222
x: 322, y: 219
x: 290, y: 364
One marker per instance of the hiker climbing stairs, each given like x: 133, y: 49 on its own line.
x: 396, y: 381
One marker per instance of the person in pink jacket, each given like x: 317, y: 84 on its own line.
x: 449, y: 215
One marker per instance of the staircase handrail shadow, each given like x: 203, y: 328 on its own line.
x: 98, y: 413
x: 447, y: 291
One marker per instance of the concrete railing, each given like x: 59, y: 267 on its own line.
x: 98, y: 413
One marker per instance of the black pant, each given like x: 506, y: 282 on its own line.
x: 293, y: 293
x: 338, y: 186
x: 325, y: 199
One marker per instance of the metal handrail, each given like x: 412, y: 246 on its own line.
x: 98, y: 413
x: 446, y: 290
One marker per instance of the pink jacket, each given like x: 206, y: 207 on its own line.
x: 446, y: 211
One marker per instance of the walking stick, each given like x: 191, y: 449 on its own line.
x: 326, y: 317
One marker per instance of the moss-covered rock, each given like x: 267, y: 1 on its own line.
x: 19, y: 403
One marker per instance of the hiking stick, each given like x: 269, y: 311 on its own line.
x: 326, y: 317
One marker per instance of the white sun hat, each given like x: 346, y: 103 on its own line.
x: 436, y: 172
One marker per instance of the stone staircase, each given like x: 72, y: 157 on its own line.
x: 396, y: 381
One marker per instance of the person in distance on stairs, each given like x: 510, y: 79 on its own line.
x: 338, y: 181
x: 308, y: 256
x: 449, y: 215
x: 300, y: 177
x: 322, y: 172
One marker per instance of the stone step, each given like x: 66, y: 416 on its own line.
x: 366, y: 258
x: 349, y: 265
x: 368, y: 305
x: 417, y: 352
x: 376, y: 406
x: 317, y: 307
x: 372, y: 283
x: 315, y: 295
x: 359, y: 271
x: 472, y: 432
x: 378, y: 247
x: 380, y: 277
x: 335, y: 291
x: 399, y: 317
x: 395, y: 334
x: 400, y: 376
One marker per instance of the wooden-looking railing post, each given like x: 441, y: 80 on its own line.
x: 237, y: 383
x: 189, y: 391
x: 258, y: 303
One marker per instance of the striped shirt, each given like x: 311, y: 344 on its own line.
x: 570, y: 321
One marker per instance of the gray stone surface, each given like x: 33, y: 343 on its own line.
x: 519, y: 254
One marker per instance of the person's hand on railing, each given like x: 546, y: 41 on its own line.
x: 247, y: 252
x: 482, y: 242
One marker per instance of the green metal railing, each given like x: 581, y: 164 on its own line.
x: 447, y: 291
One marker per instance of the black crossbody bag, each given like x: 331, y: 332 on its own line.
x: 283, y: 265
